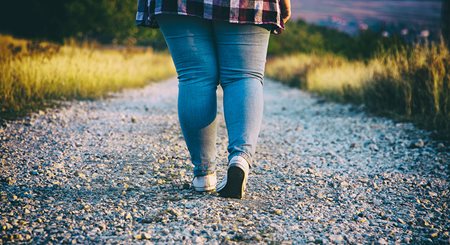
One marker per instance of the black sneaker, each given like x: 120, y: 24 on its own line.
x: 234, y: 184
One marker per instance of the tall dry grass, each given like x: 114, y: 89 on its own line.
x: 32, y: 73
x: 411, y: 83
x: 415, y: 84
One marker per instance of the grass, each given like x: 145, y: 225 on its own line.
x: 409, y: 83
x: 309, y: 38
x: 35, y: 73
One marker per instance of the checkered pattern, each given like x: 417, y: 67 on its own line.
x: 233, y: 11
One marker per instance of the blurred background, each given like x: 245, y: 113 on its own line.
x: 389, y: 56
x: 109, y: 22
x: 411, y: 18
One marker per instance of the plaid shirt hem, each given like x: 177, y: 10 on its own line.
x: 265, y: 12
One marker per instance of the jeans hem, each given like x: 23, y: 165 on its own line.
x: 202, y: 172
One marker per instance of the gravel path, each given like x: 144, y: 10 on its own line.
x: 117, y: 170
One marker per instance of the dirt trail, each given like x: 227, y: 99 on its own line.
x: 117, y: 170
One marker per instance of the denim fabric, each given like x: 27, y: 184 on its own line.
x: 207, y: 54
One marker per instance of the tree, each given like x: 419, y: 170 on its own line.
x: 33, y: 18
x: 106, y: 21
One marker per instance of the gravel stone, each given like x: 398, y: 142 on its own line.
x: 117, y: 170
x: 382, y: 241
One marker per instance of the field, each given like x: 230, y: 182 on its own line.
x: 405, y: 82
x: 33, y: 74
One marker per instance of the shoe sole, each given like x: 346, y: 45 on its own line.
x: 207, y: 189
x: 234, y: 188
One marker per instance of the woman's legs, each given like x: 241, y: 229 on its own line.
x: 205, y: 52
x: 241, y: 52
x: 191, y: 44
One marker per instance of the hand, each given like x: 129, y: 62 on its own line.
x: 285, y: 6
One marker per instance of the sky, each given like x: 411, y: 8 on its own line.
x: 423, y: 14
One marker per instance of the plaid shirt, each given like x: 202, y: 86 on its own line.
x: 233, y: 11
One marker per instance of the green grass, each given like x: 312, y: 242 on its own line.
x: 408, y: 83
x: 309, y: 38
x: 34, y: 73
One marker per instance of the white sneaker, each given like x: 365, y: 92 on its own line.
x: 205, y: 183
x: 235, y: 182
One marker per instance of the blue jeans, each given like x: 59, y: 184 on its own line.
x: 207, y: 54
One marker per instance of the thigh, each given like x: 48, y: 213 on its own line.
x: 191, y: 43
x: 241, y: 50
